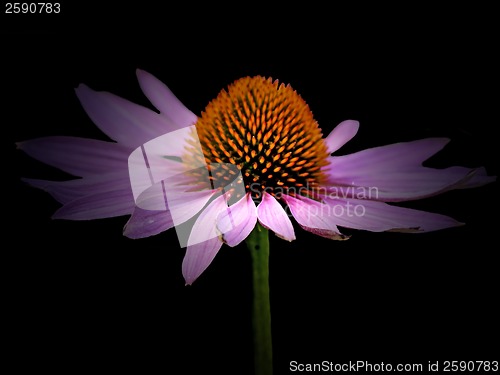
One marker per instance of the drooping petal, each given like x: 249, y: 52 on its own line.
x: 204, y: 241
x: 77, y: 156
x: 395, y: 172
x: 341, y: 134
x: 164, y: 100
x: 237, y: 221
x: 146, y: 223
x: 205, y: 226
x: 272, y: 216
x: 198, y: 257
x: 313, y: 216
x: 98, y: 206
x: 123, y: 121
x: 67, y: 191
x: 378, y: 216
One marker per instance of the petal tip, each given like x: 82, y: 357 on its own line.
x: 143, y: 76
x: 140, y: 73
x: 127, y: 233
x: 286, y: 238
x: 81, y: 87
x: 341, y: 134
x: 353, y: 123
x: 442, y: 141
x: 189, y: 279
x: 340, y: 237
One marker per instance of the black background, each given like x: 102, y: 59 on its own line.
x: 81, y: 296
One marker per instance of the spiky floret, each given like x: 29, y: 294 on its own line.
x: 268, y: 132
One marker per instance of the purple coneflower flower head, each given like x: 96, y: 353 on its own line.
x: 256, y: 154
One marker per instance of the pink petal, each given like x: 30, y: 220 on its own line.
x: 205, y: 226
x: 145, y: 223
x: 98, y: 206
x: 123, y: 121
x: 198, y: 257
x: 204, y: 241
x: 164, y: 100
x: 272, y: 216
x: 378, y: 216
x: 479, y: 178
x: 397, y: 155
x: 341, y: 134
x: 78, y: 156
x: 404, y: 186
x: 394, y: 172
x: 237, y: 221
x: 67, y: 191
x: 313, y: 217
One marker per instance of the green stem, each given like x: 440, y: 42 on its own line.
x: 258, y: 244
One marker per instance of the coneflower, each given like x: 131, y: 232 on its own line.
x: 253, y: 159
